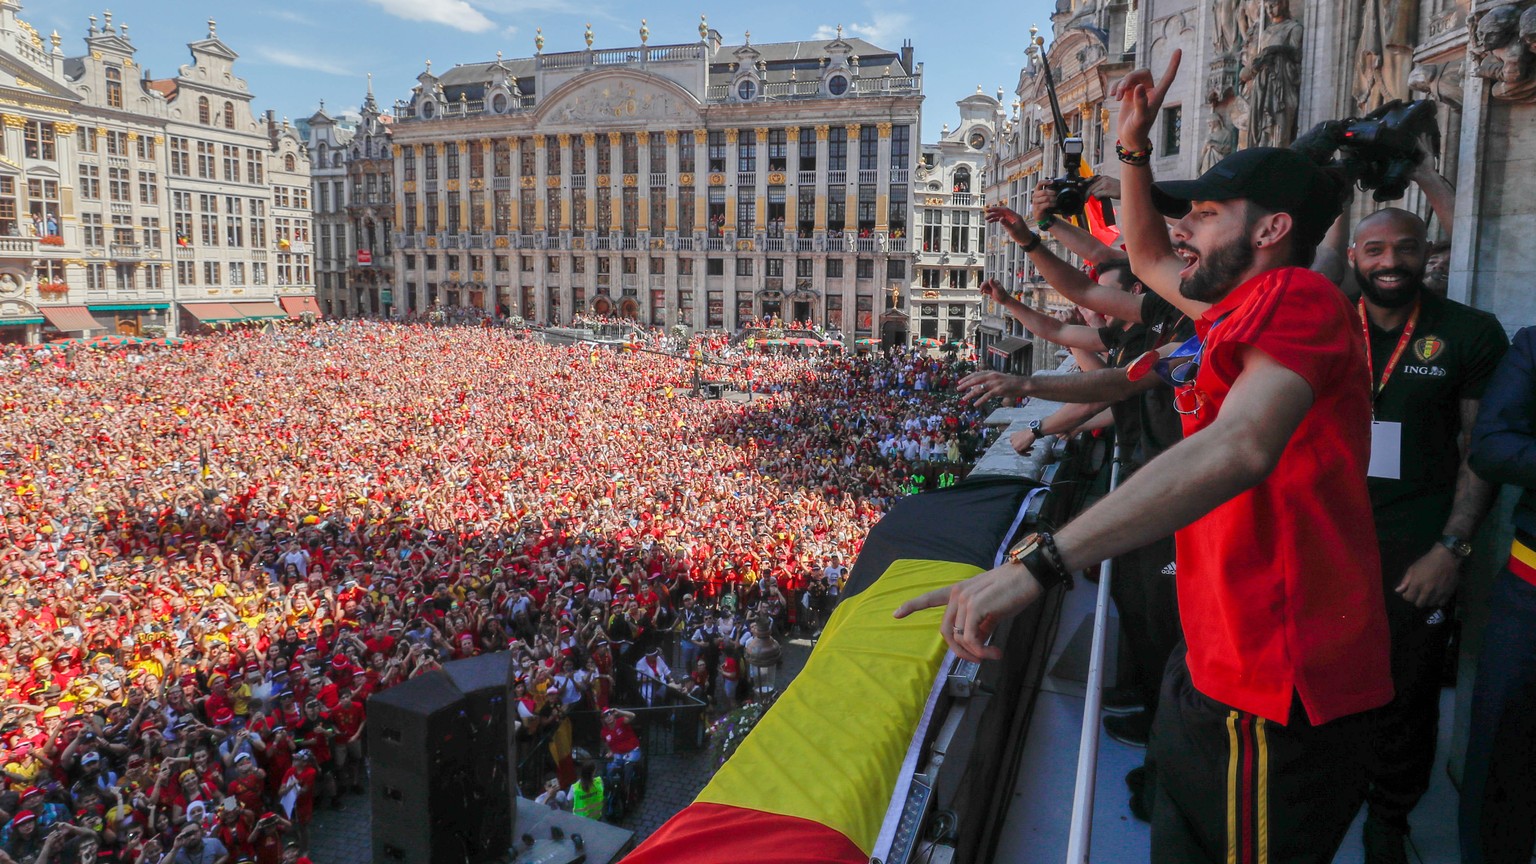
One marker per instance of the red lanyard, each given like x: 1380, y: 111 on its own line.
x: 1397, y: 353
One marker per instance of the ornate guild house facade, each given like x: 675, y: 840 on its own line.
x: 701, y: 184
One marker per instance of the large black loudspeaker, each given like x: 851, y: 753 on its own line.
x: 492, y: 764
x: 440, y: 766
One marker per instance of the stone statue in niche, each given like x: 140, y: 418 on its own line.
x: 1385, y: 53
x: 1503, y: 40
x: 1219, y: 143
x: 1441, y: 82
x: 1272, y: 78
x: 1228, y: 37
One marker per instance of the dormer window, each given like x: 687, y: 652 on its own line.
x: 746, y: 90
x: 837, y: 85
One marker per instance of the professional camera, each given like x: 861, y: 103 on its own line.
x: 1378, y: 150
x: 1071, y: 189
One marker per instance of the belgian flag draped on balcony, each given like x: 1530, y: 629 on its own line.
x: 812, y: 782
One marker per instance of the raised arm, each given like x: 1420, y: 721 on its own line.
x: 1145, y: 233
x: 1073, y: 283
x: 1047, y: 327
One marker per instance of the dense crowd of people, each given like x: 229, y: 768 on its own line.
x: 210, y: 557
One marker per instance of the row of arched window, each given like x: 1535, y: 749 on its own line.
x: 205, y: 112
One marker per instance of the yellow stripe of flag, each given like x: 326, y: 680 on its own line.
x: 829, y: 750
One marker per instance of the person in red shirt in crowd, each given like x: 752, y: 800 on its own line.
x: 302, y: 779
x: 249, y: 784
x: 266, y: 838
x: 1264, y: 724
x: 619, y: 736
x: 347, y: 716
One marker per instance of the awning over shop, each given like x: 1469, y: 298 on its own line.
x: 297, y: 306
x: 71, y: 318
x: 19, y: 322
x: 255, y: 311
x: 213, y: 313
x: 1009, y: 346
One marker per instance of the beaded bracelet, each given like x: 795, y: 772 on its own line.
x: 1132, y: 157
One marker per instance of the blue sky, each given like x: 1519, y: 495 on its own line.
x: 296, y: 53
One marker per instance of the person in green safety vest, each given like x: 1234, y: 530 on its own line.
x: 587, y: 794
x: 917, y: 484
x: 947, y: 479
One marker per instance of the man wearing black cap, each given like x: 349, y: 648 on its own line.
x: 1263, y: 723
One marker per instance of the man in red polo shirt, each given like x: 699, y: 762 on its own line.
x: 1262, y: 730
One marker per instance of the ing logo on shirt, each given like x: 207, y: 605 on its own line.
x: 1428, y: 348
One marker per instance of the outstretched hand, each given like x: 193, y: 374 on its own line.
x: 974, y: 608
x: 1140, y: 98
x: 978, y: 387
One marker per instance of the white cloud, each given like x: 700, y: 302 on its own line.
x: 291, y: 17
x: 457, y: 14
x: 886, y: 29
x: 509, y: 32
x: 296, y: 60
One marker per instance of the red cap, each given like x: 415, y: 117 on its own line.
x: 25, y: 816
x: 223, y: 716
x: 30, y: 791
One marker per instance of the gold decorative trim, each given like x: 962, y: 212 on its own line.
x: 615, y: 138
x: 589, y: 139
x: 502, y: 243
x: 792, y: 134
x: 408, y: 186
x: 477, y: 185
x: 603, y: 181
x: 631, y: 180
x: 643, y: 137
x: 528, y: 182
x: 700, y: 136
x: 431, y: 242
x: 822, y: 132
x: 564, y: 138
x: 776, y: 179
x: 717, y: 179
x: 853, y: 130
x: 884, y: 129
x: 732, y: 136
x: 685, y: 179
x: 552, y: 182
x: 538, y: 142
x: 671, y: 136
x: 451, y: 186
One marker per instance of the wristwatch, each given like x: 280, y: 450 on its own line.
x: 1038, y: 554
x: 1034, y: 427
x: 1459, y: 547
x: 1035, y: 241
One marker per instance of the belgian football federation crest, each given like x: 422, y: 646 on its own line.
x: 1428, y: 348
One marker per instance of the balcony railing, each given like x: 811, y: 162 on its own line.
x: 24, y: 247
x: 746, y: 179
x: 659, y: 179
x: 869, y: 177
x: 837, y: 178
x: 127, y: 251
x: 806, y: 178
x: 898, y: 176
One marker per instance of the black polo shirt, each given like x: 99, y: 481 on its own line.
x: 1156, y: 424
x: 1452, y: 353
